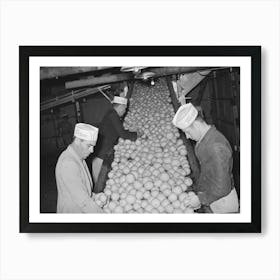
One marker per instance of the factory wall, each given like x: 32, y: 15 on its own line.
x: 50, y: 141
x: 92, y: 109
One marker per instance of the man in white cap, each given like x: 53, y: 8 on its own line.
x: 214, y: 187
x: 110, y: 129
x: 73, y: 179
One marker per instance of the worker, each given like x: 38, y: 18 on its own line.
x: 110, y: 129
x: 73, y: 179
x: 214, y: 187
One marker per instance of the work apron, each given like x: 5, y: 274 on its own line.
x: 226, y: 204
x: 96, y: 167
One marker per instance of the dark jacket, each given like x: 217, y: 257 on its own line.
x: 215, y: 157
x: 110, y: 129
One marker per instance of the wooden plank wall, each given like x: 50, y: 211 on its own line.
x: 50, y: 142
x: 92, y: 108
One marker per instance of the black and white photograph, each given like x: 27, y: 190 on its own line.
x: 155, y: 143
x: 139, y: 139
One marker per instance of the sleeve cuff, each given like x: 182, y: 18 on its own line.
x: 89, y: 206
x: 202, y: 198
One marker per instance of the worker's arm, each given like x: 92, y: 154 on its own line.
x: 215, y: 180
x: 72, y: 180
x: 123, y: 133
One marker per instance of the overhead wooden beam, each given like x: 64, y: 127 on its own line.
x: 55, y: 72
x: 166, y: 71
x: 159, y: 72
x: 50, y: 73
x: 99, y: 80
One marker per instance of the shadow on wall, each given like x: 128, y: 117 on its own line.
x: 48, y: 191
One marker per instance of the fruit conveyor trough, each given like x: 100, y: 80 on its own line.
x: 152, y: 174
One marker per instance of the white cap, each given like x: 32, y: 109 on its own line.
x: 86, y: 132
x: 120, y: 100
x: 185, y: 116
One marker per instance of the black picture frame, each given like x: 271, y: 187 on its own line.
x: 254, y: 52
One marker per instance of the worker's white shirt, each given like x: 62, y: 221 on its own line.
x: 202, y: 136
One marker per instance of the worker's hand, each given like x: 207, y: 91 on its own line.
x: 99, y: 209
x: 192, y: 201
